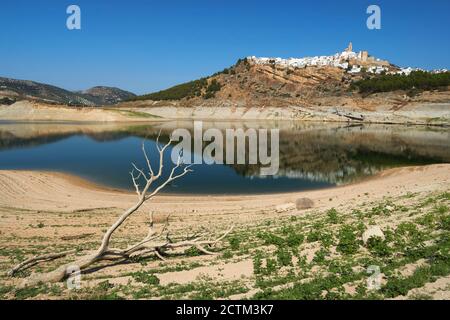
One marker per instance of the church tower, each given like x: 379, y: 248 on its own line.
x: 349, y: 48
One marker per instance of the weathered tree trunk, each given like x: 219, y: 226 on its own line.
x: 155, y: 243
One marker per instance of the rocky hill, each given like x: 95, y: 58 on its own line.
x: 107, y: 95
x: 12, y: 90
x: 334, y: 80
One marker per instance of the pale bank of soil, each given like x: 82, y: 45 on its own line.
x: 423, y: 114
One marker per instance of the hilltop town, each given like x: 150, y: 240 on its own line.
x: 348, y: 60
x: 318, y: 87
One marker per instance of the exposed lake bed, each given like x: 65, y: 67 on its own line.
x: 388, y: 176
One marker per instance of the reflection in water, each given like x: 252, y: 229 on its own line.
x: 312, y: 155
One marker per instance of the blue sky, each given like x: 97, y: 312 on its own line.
x: 143, y: 46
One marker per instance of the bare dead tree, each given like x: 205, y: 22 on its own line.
x: 153, y: 243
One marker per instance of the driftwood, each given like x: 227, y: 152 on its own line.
x: 36, y: 259
x: 350, y: 115
x: 157, y: 243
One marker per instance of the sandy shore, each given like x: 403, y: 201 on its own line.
x: 34, y: 190
x: 33, y: 111
x: 419, y: 114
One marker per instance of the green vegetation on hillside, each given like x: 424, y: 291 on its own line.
x: 212, y: 88
x: 417, y: 80
x: 185, y: 90
x: 196, y: 88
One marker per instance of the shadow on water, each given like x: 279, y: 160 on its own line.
x: 312, y: 155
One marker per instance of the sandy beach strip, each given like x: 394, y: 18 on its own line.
x: 50, y: 191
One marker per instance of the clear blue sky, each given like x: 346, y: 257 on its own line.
x: 143, y: 46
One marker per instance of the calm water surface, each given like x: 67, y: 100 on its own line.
x: 312, y: 155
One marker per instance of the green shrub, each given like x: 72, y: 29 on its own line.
x: 212, y: 88
x: 271, y: 239
x: 30, y: 292
x: 408, y: 236
x: 292, y: 239
x: 178, y: 92
x: 284, y: 257
x: 445, y: 222
x: 257, y: 262
x: 234, y: 243
x: 421, y: 276
x: 145, y: 277
x: 192, y: 252
x: 333, y: 216
x: 326, y: 239
x: 227, y: 254
x: 378, y: 247
x: 320, y: 256
x: 417, y: 80
x: 347, y: 240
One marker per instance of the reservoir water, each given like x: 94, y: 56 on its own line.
x: 312, y: 155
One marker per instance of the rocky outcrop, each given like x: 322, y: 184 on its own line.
x: 372, y: 232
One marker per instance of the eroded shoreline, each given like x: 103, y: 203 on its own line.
x: 41, y: 190
x: 429, y: 114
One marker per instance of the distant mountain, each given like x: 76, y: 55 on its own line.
x: 107, y: 95
x: 12, y: 90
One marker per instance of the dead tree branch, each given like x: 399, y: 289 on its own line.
x: 154, y: 242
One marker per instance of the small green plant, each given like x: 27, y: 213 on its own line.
x: 401, y: 286
x: 313, y: 236
x: 30, y: 292
x: 333, y: 216
x: 271, y: 266
x: 271, y: 239
x: 284, y: 257
x: 234, y: 243
x: 104, y: 291
x: 421, y: 296
x: 445, y: 196
x: 444, y: 222
x: 378, y: 247
x: 347, y: 240
x: 227, y: 254
x: 408, y: 236
x: 145, y: 277
x: 257, y: 262
x: 192, y: 252
x: 320, y: 256
x: 441, y: 209
x: 4, y: 290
